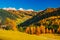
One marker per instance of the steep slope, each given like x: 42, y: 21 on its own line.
x: 5, y: 14
x: 23, y: 15
x: 42, y: 15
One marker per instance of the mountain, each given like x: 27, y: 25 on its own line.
x: 49, y: 12
x: 49, y: 18
x: 18, y: 15
x: 11, y: 18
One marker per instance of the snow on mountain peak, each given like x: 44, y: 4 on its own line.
x: 9, y: 8
x: 21, y: 9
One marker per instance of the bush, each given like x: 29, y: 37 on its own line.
x: 21, y: 29
x: 8, y: 28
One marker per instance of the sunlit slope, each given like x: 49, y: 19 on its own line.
x: 14, y: 35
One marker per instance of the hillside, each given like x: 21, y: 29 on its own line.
x: 42, y: 15
x: 5, y: 14
x: 31, y: 21
x: 47, y: 21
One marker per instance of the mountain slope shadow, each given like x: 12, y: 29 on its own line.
x: 5, y: 14
x: 39, y: 17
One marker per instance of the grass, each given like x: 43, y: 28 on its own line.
x: 15, y: 35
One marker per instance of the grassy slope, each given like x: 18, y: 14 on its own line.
x: 15, y: 35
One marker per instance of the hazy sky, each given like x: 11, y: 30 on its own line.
x: 30, y: 4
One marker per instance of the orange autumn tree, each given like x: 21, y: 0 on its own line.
x: 42, y: 29
x: 32, y: 30
x: 53, y: 31
x: 27, y: 30
x: 58, y: 30
x: 46, y: 30
x: 11, y: 23
x: 50, y: 31
x: 38, y: 30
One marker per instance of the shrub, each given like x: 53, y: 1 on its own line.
x: 8, y: 28
x: 21, y: 29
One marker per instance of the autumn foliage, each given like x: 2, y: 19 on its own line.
x: 40, y: 30
x: 11, y: 23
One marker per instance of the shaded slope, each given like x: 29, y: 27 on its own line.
x: 4, y: 14
x: 40, y: 16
